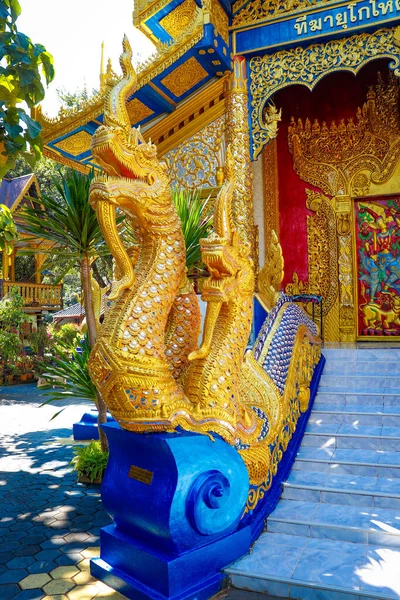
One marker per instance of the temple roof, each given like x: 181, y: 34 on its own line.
x: 186, y: 69
x: 12, y: 191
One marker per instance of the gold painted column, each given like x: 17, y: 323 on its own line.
x: 39, y: 261
x: 344, y: 228
x: 238, y: 137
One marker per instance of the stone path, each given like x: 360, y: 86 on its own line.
x: 49, y: 524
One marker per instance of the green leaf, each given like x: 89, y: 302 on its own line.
x: 15, y: 9
x: 34, y: 128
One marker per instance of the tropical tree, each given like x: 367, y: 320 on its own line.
x: 73, y: 230
x: 196, y: 215
x: 23, y: 64
x: 8, y: 230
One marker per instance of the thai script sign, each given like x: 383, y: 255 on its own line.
x: 323, y: 22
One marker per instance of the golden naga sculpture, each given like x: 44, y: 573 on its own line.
x: 146, y: 363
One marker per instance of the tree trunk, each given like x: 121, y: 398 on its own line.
x: 92, y: 333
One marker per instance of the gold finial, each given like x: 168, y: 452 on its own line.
x: 102, y: 69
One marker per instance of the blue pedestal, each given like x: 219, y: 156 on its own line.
x: 176, y: 500
x: 87, y: 428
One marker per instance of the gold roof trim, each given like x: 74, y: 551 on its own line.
x: 257, y: 12
x: 165, y: 56
x: 189, y: 118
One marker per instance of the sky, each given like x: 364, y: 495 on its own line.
x: 72, y: 31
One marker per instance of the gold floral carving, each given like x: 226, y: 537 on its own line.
x: 218, y: 17
x: 271, y: 191
x: 256, y: 11
x: 75, y: 144
x: 138, y: 111
x: 322, y: 261
x: 344, y: 158
x: 179, y: 18
x: 237, y: 136
x: 307, y: 66
x: 271, y: 275
x: 184, y: 77
x: 194, y: 163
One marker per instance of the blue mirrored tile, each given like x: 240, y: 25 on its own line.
x: 263, y: 586
x: 298, y: 511
x: 290, y: 528
x: 299, y: 592
x: 329, y: 568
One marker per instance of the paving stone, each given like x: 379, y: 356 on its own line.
x: 10, y: 546
x: 35, y: 581
x: 29, y: 595
x: 22, y: 562
x: 29, y: 550
x: 91, y: 552
x: 42, y: 566
x: 56, y: 597
x: 68, y: 559
x: 84, y: 564
x: 64, y: 572
x: 76, y: 537
x: 13, y: 576
x: 73, y: 547
x: 52, y: 543
x: 83, y: 592
x: 35, y: 539
x: 47, y: 554
x: 8, y: 591
x: 83, y: 578
x: 58, y: 586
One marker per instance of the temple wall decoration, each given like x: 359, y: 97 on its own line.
x: 308, y: 66
x: 193, y: 164
x: 344, y: 150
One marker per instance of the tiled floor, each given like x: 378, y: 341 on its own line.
x: 49, y: 524
x: 335, y: 534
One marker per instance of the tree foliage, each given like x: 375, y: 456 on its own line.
x: 8, y: 229
x: 22, y: 66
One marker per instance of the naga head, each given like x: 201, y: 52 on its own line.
x: 224, y: 254
x: 227, y: 260
x: 119, y: 149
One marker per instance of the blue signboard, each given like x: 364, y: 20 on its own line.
x: 316, y: 24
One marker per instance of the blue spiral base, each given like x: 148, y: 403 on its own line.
x: 176, y: 500
x: 140, y: 573
x: 86, y: 428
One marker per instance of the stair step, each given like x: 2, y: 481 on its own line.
x: 335, y: 533
x: 359, y: 524
x: 354, y: 418
x: 365, y: 398
x: 348, y: 436
x: 304, y: 568
x: 353, y: 367
x: 336, y: 488
x: 361, y: 354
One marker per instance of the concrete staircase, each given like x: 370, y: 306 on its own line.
x: 335, y: 533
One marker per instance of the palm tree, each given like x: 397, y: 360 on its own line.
x: 196, y: 215
x: 72, y: 228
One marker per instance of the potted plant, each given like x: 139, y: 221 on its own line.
x: 90, y: 462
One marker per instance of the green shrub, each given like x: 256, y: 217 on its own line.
x: 67, y: 336
x: 90, y: 461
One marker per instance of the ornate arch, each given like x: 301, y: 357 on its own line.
x: 307, y: 66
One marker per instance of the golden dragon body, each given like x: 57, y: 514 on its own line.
x: 145, y: 362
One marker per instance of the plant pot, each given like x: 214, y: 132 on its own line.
x: 9, y: 379
x: 24, y: 377
x: 84, y: 479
